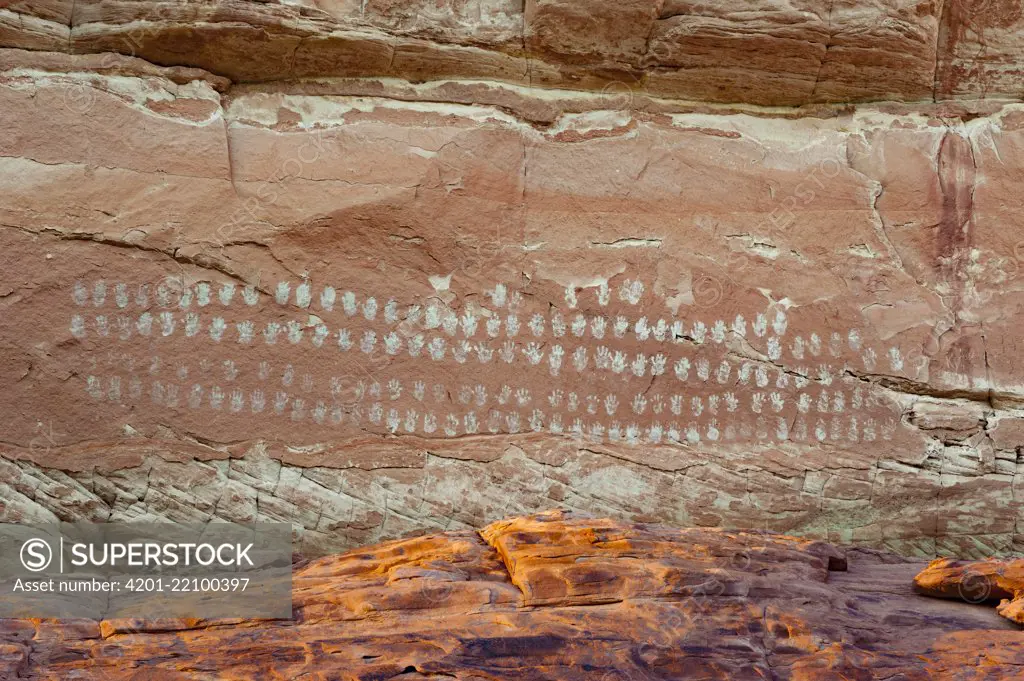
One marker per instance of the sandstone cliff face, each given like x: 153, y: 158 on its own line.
x: 765, y: 52
x: 556, y: 597
x: 376, y: 268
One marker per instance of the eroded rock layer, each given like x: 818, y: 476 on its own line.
x: 375, y: 271
x: 556, y: 597
x: 773, y: 52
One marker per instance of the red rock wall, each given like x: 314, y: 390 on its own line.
x: 771, y: 52
x: 393, y: 268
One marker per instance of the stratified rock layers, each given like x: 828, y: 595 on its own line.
x: 551, y: 597
x: 372, y: 301
x: 771, y: 52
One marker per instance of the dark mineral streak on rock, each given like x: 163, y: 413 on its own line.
x: 957, y: 180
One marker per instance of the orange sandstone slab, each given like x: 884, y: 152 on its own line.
x: 557, y: 596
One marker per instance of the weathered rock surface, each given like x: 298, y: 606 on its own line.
x: 555, y: 597
x: 770, y: 52
x: 977, y: 582
x: 381, y: 269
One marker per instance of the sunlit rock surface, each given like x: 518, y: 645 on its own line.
x: 995, y: 581
x: 559, y: 597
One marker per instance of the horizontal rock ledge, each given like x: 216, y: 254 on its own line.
x: 774, y: 53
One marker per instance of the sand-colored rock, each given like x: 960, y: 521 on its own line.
x: 557, y: 597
